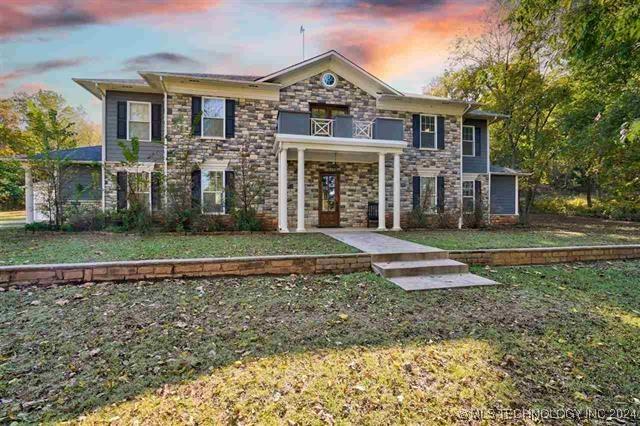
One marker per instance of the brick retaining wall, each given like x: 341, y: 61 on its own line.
x: 23, y: 275
x: 541, y: 256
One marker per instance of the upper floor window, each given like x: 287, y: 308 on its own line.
x: 468, y: 141
x: 428, y: 131
x: 213, y: 117
x: 139, y: 120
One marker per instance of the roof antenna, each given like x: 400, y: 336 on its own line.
x: 302, y: 32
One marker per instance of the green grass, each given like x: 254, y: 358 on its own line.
x: 320, y: 349
x: 469, y: 239
x: 20, y: 247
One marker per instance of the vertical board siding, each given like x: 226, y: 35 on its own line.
x: 503, y: 194
x: 477, y: 164
x: 149, y: 151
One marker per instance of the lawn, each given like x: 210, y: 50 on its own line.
x: 545, y: 231
x: 20, y: 247
x: 322, y: 349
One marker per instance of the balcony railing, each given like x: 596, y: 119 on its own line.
x: 321, y: 127
x: 344, y: 126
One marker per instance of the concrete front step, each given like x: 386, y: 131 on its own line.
x: 434, y: 282
x: 408, y: 268
x: 426, y: 255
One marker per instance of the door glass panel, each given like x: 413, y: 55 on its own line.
x: 328, y: 193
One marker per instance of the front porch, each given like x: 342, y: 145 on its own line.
x: 335, y: 179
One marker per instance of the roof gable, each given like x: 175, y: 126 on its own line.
x: 333, y: 61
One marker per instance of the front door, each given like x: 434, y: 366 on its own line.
x: 329, y: 208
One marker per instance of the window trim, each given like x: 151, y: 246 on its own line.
x: 129, y: 118
x: 435, y: 186
x: 473, y: 142
x: 224, y: 118
x: 202, y: 191
x: 435, y: 132
x: 473, y: 196
x: 150, y: 189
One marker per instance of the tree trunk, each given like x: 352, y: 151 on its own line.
x: 528, y: 203
x: 589, y: 190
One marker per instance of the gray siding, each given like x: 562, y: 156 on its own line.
x: 88, y: 176
x: 149, y: 151
x: 389, y: 129
x: 477, y: 164
x: 503, y: 194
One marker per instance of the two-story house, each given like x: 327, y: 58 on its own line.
x: 330, y: 141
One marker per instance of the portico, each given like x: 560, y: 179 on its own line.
x: 326, y: 159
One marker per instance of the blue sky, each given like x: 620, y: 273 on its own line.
x: 44, y: 43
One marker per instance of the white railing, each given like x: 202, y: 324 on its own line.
x: 321, y: 127
x: 363, y: 129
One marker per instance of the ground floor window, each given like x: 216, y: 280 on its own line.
x: 213, y: 192
x: 468, y: 196
x: 428, y: 194
x: 140, y: 188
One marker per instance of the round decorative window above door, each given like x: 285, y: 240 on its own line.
x: 329, y: 79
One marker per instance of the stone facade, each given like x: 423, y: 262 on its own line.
x: 255, y: 128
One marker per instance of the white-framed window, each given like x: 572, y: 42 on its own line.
x: 213, y: 114
x: 212, y: 191
x: 139, y: 120
x: 428, y: 194
x: 468, y: 141
x: 140, y: 188
x: 428, y: 130
x: 468, y: 196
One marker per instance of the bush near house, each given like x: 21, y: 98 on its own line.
x: 578, y: 206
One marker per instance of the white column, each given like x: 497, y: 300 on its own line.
x: 282, y: 191
x: 28, y: 192
x: 381, y: 196
x: 300, y: 227
x: 396, y: 192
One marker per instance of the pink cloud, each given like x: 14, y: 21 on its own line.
x: 32, y: 87
x: 23, y: 16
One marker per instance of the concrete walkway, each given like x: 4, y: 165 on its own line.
x: 371, y: 242
x: 409, y: 265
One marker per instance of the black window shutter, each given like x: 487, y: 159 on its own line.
x: 229, y: 190
x: 121, y: 186
x: 230, y: 118
x: 196, y: 115
x: 122, y: 120
x: 441, y: 132
x: 195, y: 189
x: 156, y: 199
x: 156, y: 122
x: 416, y: 130
x: 440, y: 200
x: 416, y: 192
x: 478, y: 142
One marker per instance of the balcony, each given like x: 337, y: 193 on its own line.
x: 301, y: 123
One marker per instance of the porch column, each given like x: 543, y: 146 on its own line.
x: 396, y: 192
x: 381, y: 196
x: 282, y: 191
x: 28, y: 192
x: 300, y: 227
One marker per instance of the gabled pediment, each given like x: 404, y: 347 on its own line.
x: 333, y: 61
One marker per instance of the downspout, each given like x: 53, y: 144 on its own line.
x: 104, y: 147
x: 164, y: 140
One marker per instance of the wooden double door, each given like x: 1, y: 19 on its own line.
x: 329, y: 200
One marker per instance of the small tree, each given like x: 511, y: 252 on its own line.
x: 51, y: 170
x: 249, y: 190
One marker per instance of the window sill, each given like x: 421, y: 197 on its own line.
x: 213, y: 137
x: 468, y: 155
x: 214, y: 214
x: 428, y: 149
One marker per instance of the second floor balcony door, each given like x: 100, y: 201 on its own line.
x: 322, y: 117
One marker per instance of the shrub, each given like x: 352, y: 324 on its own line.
x: 209, y: 223
x: 247, y: 220
x: 418, y: 218
x: 85, y: 218
x: 179, y: 220
x: 577, y: 206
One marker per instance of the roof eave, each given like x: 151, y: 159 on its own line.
x: 153, y: 77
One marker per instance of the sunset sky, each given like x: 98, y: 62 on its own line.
x: 44, y: 43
